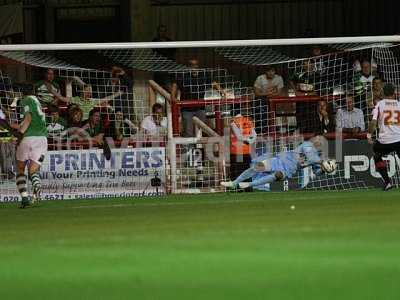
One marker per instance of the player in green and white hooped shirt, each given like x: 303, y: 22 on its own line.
x: 33, y: 146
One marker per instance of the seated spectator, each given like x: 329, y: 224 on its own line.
x: 75, y: 123
x: 45, y: 87
x: 121, y: 127
x: 321, y: 123
x: 192, y: 86
x: 268, y: 84
x: 56, y: 125
x: 155, y: 124
x: 350, y: 120
x: 85, y: 101
x: 94, y: 126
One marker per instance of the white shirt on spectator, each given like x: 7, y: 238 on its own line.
x: 350, y: 119
x: 2, y: 115
x: 368, y: 79
x: 263, y: 83
x: 151, y: 127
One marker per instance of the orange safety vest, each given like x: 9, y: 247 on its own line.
x: 246, y: 126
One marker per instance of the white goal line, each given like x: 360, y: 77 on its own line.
x: 203, y: 44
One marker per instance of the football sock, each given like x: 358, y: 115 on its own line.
x: 382, y: 170
x: 21, y: 185
x: 35, y: 179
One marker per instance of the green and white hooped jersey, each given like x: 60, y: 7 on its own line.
x: 37, y: 127
x: 43, y: 93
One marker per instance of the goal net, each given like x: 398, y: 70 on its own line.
x: 183, y: 123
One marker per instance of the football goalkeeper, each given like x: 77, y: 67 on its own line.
x: 284, y: 165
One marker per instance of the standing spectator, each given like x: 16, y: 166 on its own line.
x: 156, y: 123
x: 94, y: 127
x: 192, y: 85
x: 85, y: 101
x: 45, y: 87
x: 377, y: 90
x: 7, y: 151
x: 304, y: 81
x: 350, y: 120
x: 265, y: 86
x: 317, y: 61
x: 120, y: 82
x: 363, y: 79
x: 121, y: 127
x: 163, y: 36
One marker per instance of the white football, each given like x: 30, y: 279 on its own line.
x: 329, y: 165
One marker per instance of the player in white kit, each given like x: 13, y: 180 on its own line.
x: 386, y: 116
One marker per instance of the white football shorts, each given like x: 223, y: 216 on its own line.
x: 32, y: 148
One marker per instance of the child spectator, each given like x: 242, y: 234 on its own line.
x: 94, y: 126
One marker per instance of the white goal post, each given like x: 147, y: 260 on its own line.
x: 230, y: 86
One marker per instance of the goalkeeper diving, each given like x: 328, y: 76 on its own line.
x: 284, y: 165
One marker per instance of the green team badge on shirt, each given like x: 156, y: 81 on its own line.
x: 37, y: 127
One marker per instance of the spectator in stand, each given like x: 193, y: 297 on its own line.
x: 350, y: 120
x: 85, y: 101
x: 121, y: 127
x: 45, y: 87
x: 318, y: 62
x: 323, y: 122
x: 156, y: 123
x: 56, y: 125
x: 268, y: 84
x: 94, y: 127
x: 192, y: 86
x: 377, y: 90
x: 163, y: 36
x: 304, y: 81
x: 162, y: 78
x: 75, y: 123
x: 363, y: 79
x: 7, y: 151
x: 120, y: 82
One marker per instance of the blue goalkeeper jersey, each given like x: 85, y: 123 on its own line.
x: 289, y: 162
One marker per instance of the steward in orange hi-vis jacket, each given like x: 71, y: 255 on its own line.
x: 243, y: 136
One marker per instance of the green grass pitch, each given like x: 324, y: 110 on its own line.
x: 333, y: 245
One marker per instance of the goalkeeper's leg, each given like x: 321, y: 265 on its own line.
x: 268, y: 178
x: 247, y: 174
